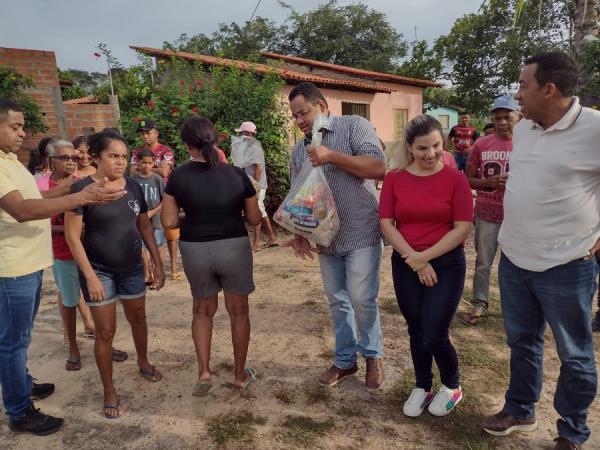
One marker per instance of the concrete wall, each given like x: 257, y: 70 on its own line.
x: 452, y: 113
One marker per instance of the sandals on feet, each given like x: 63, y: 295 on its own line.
x: 119, y: 355
x: 473, y: 316
x: 251, y: 377
x: 151, y: 375
x: 176, y: 276
x: 202, y: 388
x: 115, y: 407
x: 73, y: 364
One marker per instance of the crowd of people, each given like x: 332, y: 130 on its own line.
x: 102, y: 228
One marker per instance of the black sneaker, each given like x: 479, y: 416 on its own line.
x: 37, y: 423
x: 41, y: 391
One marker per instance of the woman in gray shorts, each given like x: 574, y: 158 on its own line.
x: 214, y: 243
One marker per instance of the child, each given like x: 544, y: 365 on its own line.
x: 154, y: 187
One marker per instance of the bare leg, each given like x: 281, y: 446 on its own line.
x: 135, y: 312
x: 256, y: 244
x: 70, y: 323
x: 270, y: 231
x: 202, y: 324
x: 239, y: 315
x: 105, y: 320
x: 86, y: 316
x: 61, y: 309
x: 172, y: 246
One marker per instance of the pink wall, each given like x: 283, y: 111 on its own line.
x: 381, y: 105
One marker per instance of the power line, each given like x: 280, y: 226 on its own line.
x: 254, y: 12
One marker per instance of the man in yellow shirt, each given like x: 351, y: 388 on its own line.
x: 25, y: 249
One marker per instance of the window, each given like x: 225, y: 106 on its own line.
x: 444, y: 119
x: 400, y: 121
x: 357, y: 109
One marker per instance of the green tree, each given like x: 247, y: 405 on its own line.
x: 13, y: 86
x: 85, y: 83
x: 424, y: 62
x: 483, y: 53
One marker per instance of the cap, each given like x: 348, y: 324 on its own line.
x: 246, y: 126
x: 147, y: 125
x: 505, y: 102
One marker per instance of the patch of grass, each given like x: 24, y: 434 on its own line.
x: 388, y: 305
x: 351, y: 410
x: 302, y: 431
x: 226, y: 366
x: 234, y: 427
x: 285, y: 397
x: 317, y: 394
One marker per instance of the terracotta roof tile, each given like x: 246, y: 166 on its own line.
x: 289, y: 75
x: 380, y: 76
x: 89, y: 100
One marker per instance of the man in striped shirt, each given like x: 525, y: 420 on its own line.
x: 351, y: 155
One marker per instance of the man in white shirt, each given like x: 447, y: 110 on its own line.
x: 551, y: 230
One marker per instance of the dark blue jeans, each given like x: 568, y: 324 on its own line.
x: 19, y: 302
x: 562, y: 297
x: 428, y: 312
x: 461, y: 160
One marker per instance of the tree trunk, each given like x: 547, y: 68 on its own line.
x: 585, y: 26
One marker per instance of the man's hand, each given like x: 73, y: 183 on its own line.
x: 494, y: 182
x: 319, y: 156
x: 502, y: 181
x: 595, y: 250
x: 415, y: 260
x: 301, y: 247
x: 98, y: 193
x: 158, y: 276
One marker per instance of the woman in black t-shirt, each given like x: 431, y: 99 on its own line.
x: 109, y: 259
x: 214, y: 245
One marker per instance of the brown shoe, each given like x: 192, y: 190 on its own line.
x: 565, y: 444
x: 334, y: 375
x: 374, y: 377
x: 502, y: 424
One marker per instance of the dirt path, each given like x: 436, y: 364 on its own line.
x: 291, y: 344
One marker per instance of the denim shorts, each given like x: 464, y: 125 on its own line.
x: 159, y: 237
x: 66, y: 278
x: 117, y: 285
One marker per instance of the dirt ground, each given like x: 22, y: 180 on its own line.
x: 291, y: 344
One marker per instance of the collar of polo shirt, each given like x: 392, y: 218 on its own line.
x: 566, y: 121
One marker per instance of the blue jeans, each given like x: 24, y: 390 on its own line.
x: 562, y: 297
x: 351, y: 283
x: 428, y: 312
x: 19, y: 302
x: 461, y: 160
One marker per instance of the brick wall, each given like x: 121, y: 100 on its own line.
x: 66, y: 121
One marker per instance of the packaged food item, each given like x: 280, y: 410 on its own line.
x: 309, y: 209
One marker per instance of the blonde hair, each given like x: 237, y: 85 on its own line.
x: 399, y: 156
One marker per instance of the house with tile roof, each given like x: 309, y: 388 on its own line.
x: 389, y: 101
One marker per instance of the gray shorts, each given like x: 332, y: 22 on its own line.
x: 218, y: 265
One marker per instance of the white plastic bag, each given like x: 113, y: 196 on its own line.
x: 309, y: 209
x: 245, y: 151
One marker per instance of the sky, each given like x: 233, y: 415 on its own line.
x: 73, y: 28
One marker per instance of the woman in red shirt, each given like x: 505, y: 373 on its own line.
x: 426, y: 213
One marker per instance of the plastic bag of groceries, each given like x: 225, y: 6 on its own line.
x: 245, y: 151
x: 309, y: 209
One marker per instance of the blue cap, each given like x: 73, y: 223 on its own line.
x: 505, y: 102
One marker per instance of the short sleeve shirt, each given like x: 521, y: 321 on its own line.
x: 490, y: 156
x: 154, y: 190
x: 111, y: 238
x: 24, y: 247
x: 213, y: 200
x: 463, y: 137
x: 426, y: 207
x: 163, y: 155
x: 357, y: 206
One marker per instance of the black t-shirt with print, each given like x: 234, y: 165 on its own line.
x: 213, y: 200
x: 111, y: 238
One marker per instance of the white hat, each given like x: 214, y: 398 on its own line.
x: 246, y: 126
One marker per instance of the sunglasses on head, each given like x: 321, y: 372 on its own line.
x: 65, y: 158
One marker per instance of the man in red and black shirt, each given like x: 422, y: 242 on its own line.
x: 164, y: 161
x: 462, y: 137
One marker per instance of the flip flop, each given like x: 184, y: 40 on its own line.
x: 73, y: 364
x: 202, y: 388
x: 251, y: 377
x: 115, y: 407
x: 151, y: 375
x: 119, y: 355
x: 257, y: 250
x: 272, y: 245
x: 473, y: 316
x: 89, y: 334
x: 176, y: 276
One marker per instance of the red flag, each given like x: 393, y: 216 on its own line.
x: 97, y: 55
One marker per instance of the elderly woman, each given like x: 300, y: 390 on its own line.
x: 214, y: 244
x: 62, y: 161
x: 109, y: 260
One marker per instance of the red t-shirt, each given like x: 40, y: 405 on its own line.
x: 463, y: 137
x: 490, y: 156
x: 425, y: 208
x: 59, y: 243
x: 163, y: 155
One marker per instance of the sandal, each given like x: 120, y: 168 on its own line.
x: 473, y: 316
x: 73, y: 364
x: 151, y: 375
x: 115, y: 407
x: 202, y: 388
x: 251, y: 377
x: 176, y: 276
x: 119, y: 355
x: 89, y: 334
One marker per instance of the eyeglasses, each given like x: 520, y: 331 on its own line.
x: 302, y: 114
x: 65, y: 158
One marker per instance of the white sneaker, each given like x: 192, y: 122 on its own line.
x: 416, y: 403
x: 445, y: 401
